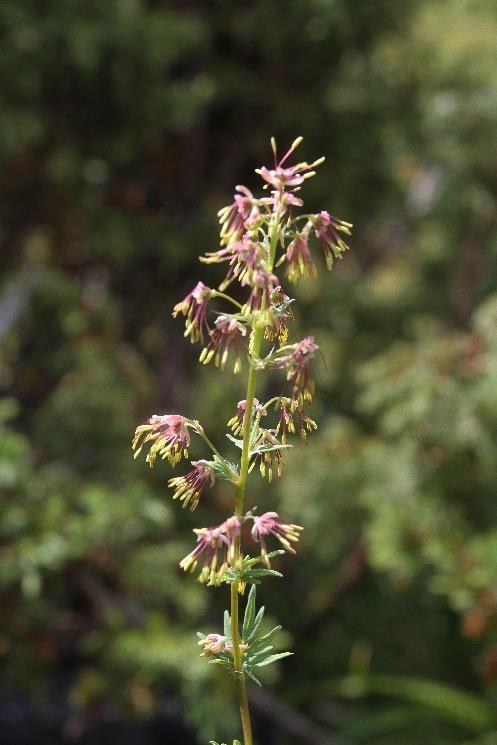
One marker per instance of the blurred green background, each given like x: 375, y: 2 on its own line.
x: 124, y: 127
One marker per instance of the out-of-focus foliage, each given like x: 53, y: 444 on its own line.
x: 124, y: 127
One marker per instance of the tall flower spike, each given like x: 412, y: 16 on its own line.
x: 216, y: 547
x: 189, y: 487
x: 228, y: 332
x: 257, y: 236
x: 270, y: 524
x: 326, y: 229
x: 194, y: 307
x: 169, y: 437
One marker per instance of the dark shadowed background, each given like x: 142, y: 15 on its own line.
x: 124, y: 127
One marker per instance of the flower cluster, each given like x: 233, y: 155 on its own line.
x: 215, y: 548
x: 169, y: 437
x: 267, y: 450
x: 270, y: 524
x: 188, y: 488
x: 194, y: 307
x: 236, y: 422
x: 297, y: 362
x: 240, y: 216
x: 293, y: 419
x: 228, y: 333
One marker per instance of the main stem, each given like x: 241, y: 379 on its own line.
x: 254, y: 353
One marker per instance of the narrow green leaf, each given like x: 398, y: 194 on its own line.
x: 260, y: 653
x: 263, y: 573
x: 255, y: 625
x: 238, y: 443
x: 248, y: 618
x: 273, y: 658
x: 265, y: 639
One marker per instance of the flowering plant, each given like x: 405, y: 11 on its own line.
x: 258, y: 236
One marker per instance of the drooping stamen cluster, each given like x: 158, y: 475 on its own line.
x: 236, y: 422
x: 239, y: 216
x: 189, y: 487
x: 169, y: 435
x: 269, y: 453
x: 194, y: 307
x: 228, y: 332
x: 244, y: 256
x: 298, y: 366
x: 270, y: 524
x: 279, y: 313
x: 326, y: 229
x: 298, y: 255
x: 215, y: 546
x: 293, y: 419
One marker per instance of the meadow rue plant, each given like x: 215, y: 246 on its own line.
x: 258, y: 236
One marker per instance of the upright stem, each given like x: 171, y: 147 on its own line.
x: 254, y: 353
x: 241, y: 689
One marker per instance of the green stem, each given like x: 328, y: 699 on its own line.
x: 241, y: 688
x: 254, y: 351
x: 216, y: 293
x: 247, y: 422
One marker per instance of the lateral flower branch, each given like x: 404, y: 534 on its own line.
x: 259, y: 236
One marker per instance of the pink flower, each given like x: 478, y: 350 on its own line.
x: 194, y: 307
x: 189, y: 487
x: 270, y: 524
x: 299, y: 258
x: 236, y: 422
x: 239, y: 216
x: 298, y: 365
x: 212, y: 644
x: 169, y: 435
x: 216, y: 546
x: 326, y: 229
x: 228, y: 332
x: 281, y: 178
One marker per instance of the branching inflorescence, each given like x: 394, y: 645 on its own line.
x: 259, y: 235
